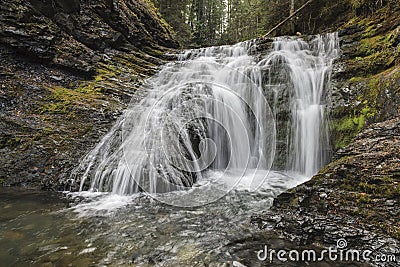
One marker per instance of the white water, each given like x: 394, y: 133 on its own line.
x: 208, y: 112
x: 204, y: 134
x: 309, y: 66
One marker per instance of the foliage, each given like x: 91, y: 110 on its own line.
x: 213, y: 22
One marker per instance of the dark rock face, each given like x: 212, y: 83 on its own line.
x: 362, y: 182
x: 355, y: 197
x: 67, y: 69
x: 75, y: 34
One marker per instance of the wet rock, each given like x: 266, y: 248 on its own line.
x: 76, y: 34
x: 67, y: 70
x: 349, y: 199
x: 355, y: 196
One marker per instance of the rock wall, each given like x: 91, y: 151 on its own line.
x: 76, y: 34
x: 357, y: 195
x: 367, y: 77
x: 67, y: 69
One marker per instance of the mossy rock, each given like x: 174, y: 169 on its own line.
x: 372, y: 71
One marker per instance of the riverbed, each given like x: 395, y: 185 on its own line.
x: 101, y: 229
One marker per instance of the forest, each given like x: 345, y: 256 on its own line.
x: 214, y: 22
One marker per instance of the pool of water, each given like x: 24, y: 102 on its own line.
x: 100, y: 229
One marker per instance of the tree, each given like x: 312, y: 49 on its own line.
x: 243, y: 20
x: 291, y: 13
x: 176, y: 14
x: 213, y: 22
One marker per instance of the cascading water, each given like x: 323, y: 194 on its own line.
x: 207, y: 111
x: 203, y: 132
x: 309, y: 67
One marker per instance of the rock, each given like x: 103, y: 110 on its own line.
x: 56, y: 78
x: 76, y: 34
x: 323, y: 195
x: 356, y: 196
x: 237, y: 264
x: 361, y: 205
x: 67, y: 70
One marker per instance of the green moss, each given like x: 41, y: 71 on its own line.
x: 118, y: 73
x: 356, y: 79
x: 61, y: 100
x: 358, y: 3
x: 375, y: 51
x: 392, y: 190
x: 346, y: 129
x: 372, y: 186
x: 294, y: 202
x: 157, y: 16
x: 367, y: 192
x: 349, y: 122
x: 9, y: 141
x: 47, y: 131
x: 397, y: 234
x: 370, y: 31
x: 362, y: 198
x: 376, y: 86
x: 375, y: 67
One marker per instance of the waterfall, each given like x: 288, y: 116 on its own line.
x: 208, y: 111
x: 308, y: 66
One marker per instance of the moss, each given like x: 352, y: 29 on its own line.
x: 356, y: 79
x: 133, y: 63
x: 376, y: 86
x: 371, y: 186
x: 14, y: 141
x: 156, y: 15
x: 61, y: 100
x: 294, y: 202
x: 357, y: 3
x: 392, y: 190
x: 373, y: 79
x: 347, y: 123
x: 346, y: 129
x: 374, y: 212
x: 370, y: 31
x: 397, y: 234
x: 376, y: 50
x: 362, y: 198
x: 43, y: 133
x: 370, y: 194
x: 10, y: 142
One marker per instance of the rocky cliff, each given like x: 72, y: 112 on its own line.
x: 67, y: 69
x: 357, y: 195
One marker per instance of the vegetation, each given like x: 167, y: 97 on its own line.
x: 212, y: 22
x: 372, y: 72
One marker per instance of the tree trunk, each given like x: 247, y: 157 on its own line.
x: 288, y: 18
x: 292, y: 26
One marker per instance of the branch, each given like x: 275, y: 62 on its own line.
x: 288, y: 18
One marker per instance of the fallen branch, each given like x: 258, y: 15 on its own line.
x: 288, y: 18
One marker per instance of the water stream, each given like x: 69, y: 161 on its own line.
x: 179, y: 175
